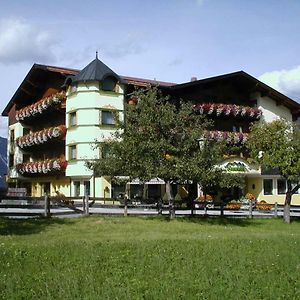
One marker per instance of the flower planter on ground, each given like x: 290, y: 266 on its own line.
x: 262, y: 205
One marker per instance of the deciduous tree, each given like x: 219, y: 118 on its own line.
x: 160, y: 139
x: 276, y: 145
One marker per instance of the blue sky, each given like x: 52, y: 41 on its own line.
x: 170, y: 40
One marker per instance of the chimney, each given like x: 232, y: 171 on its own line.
x: 193, y: 79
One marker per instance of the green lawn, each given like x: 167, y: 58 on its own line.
x: 149, y: 258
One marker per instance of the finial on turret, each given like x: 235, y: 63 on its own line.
x: 96, y: 54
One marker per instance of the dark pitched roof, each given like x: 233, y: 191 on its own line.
x: 95, y: 71
x: 248, y: 79
x: 144, y: 82
x: 29, y: 87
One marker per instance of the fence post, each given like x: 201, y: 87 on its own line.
x: 159, y: 206
x: 47, y: 206
x: 86, y: 204
x: 250, y: 210
x: 276, y: 210
x: 125, y: 205
x: 83, y: 205
x: 222, y: 209
x: 192, y: 207
x: 205, y: 208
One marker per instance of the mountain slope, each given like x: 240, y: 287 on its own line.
x: 3, y: 161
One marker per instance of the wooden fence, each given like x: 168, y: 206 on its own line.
x: 13, y: 206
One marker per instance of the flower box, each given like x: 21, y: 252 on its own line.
x: 262, y: 205
x: 41, y: 137
x: 42, y: 167
x: 226, y: 136
x: 39, y: 107
x: 233, y: 206
x: 221, y: 109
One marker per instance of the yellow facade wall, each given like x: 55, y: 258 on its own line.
x: 255, y: 186
x: 62, y: 185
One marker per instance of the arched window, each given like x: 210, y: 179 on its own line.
x: 109, y: 83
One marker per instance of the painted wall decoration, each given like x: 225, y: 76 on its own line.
x: 236, y: 167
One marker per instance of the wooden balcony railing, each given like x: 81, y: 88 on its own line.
x: 40, y: 107
x: 226, y: 136
x: 47, y: 166
x: 220, y: 109
x: 42, y: 136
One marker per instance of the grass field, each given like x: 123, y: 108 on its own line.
x: 149, y: 258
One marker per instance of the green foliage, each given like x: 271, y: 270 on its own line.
x: 160, y: 138
x: 149, y: 258
x: 277, y: 145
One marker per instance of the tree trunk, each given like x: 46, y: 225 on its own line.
x: 126, y: 197
x: 159, y: 206
x: 170, y: 199
x: 287, y: 206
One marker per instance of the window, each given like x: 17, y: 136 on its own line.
x: 76, y: 188
x: 108, y: 118
x: 72, y: 152
x: 281, y: 186
x: 268, y: 186
x: 12, y: 136
x: 72, y: 119
x: 105, y: 151
x: 26, y: 131
x: 109, y: 84
x: 237, y: 128
x: 26, y: 158
x: 11, y: 160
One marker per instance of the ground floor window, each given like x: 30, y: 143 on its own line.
x: 136, y: 191
x: 76, y: 188
x: 154, y: 191
x: 268, y: 186
x: 281, y: 186
x: 118, y: 190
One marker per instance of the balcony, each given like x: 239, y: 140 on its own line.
x: 227, y: 110
x: 40, y: 107
x: 41, y: 137
x: 48, y: 166
x: 234, y: 138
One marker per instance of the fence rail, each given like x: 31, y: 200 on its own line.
x: 16, y: 206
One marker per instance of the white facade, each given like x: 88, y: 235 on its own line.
x: 272, y: 110
x: 85, y: 105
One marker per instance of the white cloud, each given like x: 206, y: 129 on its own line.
x: 21, y: 41
x: 130, y: 45
x: 285, y: 81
